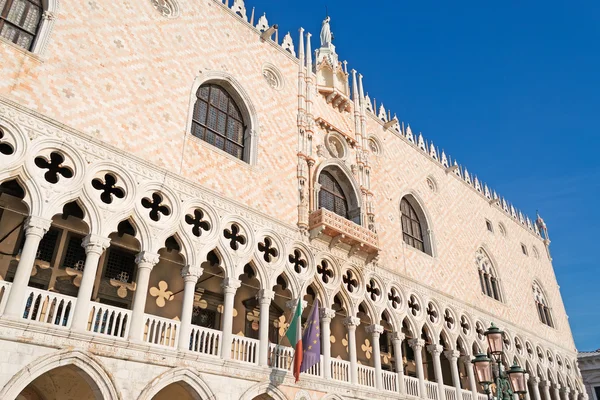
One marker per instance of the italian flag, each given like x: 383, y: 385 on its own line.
x: 294, y: 335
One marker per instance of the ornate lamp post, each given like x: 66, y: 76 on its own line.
x: 491, y: 370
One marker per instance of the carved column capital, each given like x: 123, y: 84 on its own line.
x: 37, y: 226
x: 351, y: 322
x: 265, y: 296
x: 191, y: 273
x: 416, y: 344
x: 398, y: 336
x: 327, y: 314
x: 375, y: 330
x: 435, y: 349
x: 291, y: 304
x: 145, y: 259
x: 466, y: 359
x: 452, y: 355
x: 230, y: 285
x: 535, y: 380
x: 95, y: 244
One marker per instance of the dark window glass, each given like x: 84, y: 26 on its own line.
x: 120, y: 265
x: 218, y: 121
x: 331, y: 195
x: 411, y: 226
x: 75, y: 254
x: 46, y: 247
x: 20, y: 20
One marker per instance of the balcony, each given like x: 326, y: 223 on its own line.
x: 341, y: 230
x: 44, y: 308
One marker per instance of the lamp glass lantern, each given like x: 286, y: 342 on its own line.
x: 483, y: 369
x: 516, y: 376
x: 495, y: 338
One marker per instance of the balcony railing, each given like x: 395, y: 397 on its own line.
x: 329, y: 223
x: 47, y: 307
x: 206, y: 341
x: 411, y: 385
x: 109, y: 320
x: 4, y: 290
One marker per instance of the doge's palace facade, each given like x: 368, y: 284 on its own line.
x: 178, y: 174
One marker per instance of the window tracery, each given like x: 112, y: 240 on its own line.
x: 541, y: 304
x: 217, y: 120
x: 20, y: 20
x: 411, y: 226
x: 487, y: 276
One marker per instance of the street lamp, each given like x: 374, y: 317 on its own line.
x: 491, y: 371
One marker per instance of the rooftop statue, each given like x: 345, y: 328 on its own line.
x: 326, y: 35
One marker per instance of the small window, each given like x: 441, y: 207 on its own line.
x: 489, y: 225
x: 524, y: 249
x: 544, y: 312
x: 502, y: 229
x: 411, y: 226
x: 20, y: 20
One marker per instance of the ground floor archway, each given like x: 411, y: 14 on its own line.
x: 177, y: 390
x: 64, y: 383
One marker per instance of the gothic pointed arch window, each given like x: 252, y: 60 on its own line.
x: 488, y: 279
x: 412, y: 231
x: 20, y: 21
x: 541, y: 304
x: 337, y: 194
x: 217, y: 119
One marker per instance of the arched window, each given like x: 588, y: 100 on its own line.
x: 411, y: 226
x: 542, y: 305
x: 337, y: 194
x: 487, y: 276
x: 332, y: 196
x: 217, y: 120
x: 20, y: 20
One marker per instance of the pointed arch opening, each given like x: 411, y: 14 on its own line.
x: 416, y: 230
x: 337, y: 194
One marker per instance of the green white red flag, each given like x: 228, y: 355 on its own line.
x: 294, y: 335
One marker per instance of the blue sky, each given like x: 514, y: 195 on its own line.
x: 511, y: 89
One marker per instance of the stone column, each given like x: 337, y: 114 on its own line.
x: 230, y: 286
x: 190, y: 278
x: 535, y: 384
x: 351, y: 324
x: 452, y: 356
x: 527, y: 396
x: 546, y: 390
x: 145, y: 262
x: 565, y: 393
x: 94, y: 247
x: 327, y: 314
x: 397, y: 338
x: 35, y: 229
x: 264, y: 296
x: 471, y: 375
x: 556, y: 391
x: 417, y: 346
x: 576, y: 394
x: 436, y: 350
x: 375, y: 331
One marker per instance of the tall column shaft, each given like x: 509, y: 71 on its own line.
x: 546, y: 389
x: 556, y: 392
x: 436, y: 350
x: 351, y: 323
x: 376, y: 331
x: 535, y: 384
x: 94, y: 247
x: 327, y: 314
x: 452, y: 356
x: 145, y: 262
x: 397, y: 338
x: 35, y: 229
x: 417, y: 346
x: 190, y: 278
x: 472, y: 383
x: 230, y: 286
x: 264, y: 296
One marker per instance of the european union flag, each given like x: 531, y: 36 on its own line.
x: 311, y: 339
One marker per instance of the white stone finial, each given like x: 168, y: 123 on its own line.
x: 262, y: 24
x: 444, y: 159
x: 381, y: 114
x: 288, y: 44
x: 421, y: 142
x: 239, y: 8
x: 432, y: 151
x: 368, y: 105
x: 409, y: 134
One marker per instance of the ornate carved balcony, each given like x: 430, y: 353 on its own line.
x: 341, y: 230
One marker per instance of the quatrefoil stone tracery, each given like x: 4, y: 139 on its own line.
x: 394, y: 298
x: 108, y: 188
x: 55, y: 167
x: 373, y: 290
x: 350, y: 282
x: 198, y: 222
x: 432, y: 313
x: 325, y: 271
x: 449, y: 319
x: 269, y: 251
x: 235, y: 237
x: 414, y: 306
x: 297, y: 261
x: 156, y: 206
x: 5, y: 147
